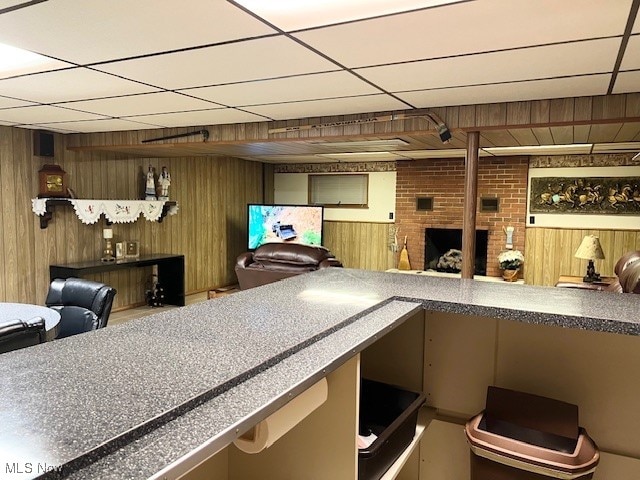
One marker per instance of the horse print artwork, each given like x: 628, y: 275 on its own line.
x: 592, y: 195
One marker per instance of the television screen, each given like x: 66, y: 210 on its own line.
x: 285, y: 223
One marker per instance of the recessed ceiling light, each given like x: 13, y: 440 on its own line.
x: 620, y: 147
x: 576, y: 148
x: 389, y: 144
x: 441, y: 153
x: 361, y: 156
x: 16, y: 61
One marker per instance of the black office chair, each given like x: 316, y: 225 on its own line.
x: 84, y: 305
x: 15, y: 334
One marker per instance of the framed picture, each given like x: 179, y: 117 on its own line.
x: 120, y: 249
x: 132, y: 249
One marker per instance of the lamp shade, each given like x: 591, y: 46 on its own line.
x: 107, y: 233
x: 590, y: 248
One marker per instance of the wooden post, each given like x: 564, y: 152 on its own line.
x: 470, y: 205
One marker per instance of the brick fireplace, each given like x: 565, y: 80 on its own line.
x: 504, y: 178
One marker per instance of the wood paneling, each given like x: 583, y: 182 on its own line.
x: 549, y: 252
x: 360, y: 245
x: 209, y: 229
x: 558, y: 121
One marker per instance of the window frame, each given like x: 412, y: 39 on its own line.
x: 311, y: 178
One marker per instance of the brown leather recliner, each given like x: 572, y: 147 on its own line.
x: 274, y: 261
x: 627, y: 271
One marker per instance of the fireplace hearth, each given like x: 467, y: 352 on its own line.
x: 443, y: 250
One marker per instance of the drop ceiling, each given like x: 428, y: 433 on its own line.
x: 132, y: 65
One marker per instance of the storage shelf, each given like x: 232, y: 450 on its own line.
x: 425, y: 415
x: 49, y: 203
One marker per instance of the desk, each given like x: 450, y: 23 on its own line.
x: 170, y: 272
x: 25, y: 311
x: 569, y: 281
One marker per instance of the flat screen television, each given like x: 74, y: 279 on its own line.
x: 284, y: 223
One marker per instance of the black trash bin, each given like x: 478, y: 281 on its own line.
x: 390, y: 413
x: 520, y: 436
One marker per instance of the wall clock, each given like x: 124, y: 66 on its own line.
x: 52, y: 182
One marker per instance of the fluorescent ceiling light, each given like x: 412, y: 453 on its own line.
x: 379, y: 144
x: 361, y: 156
x: 621, y: 147
x: 442, y: 153
x: 295, y: 14
x: 577, y: 148
x: 16, y: 61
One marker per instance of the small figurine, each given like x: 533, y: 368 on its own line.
x: 164, y: 180
x: 150, y: 187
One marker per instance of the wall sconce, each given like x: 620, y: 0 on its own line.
x: 107, y: 253
x: 590, y: 249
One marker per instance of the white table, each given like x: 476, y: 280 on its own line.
x: 26, y: 311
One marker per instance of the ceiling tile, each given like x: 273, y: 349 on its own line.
x: 509, y: 92
x: 236, y: 62
x: 464, y: 28
x: 202, y: 117
x: 44, y: 114
x: 306, y: 87
x: 87, y: 32
x: 65, y: 85
x: 144, y: 104
x: 627, y: 82
x: 6, y: 102
x: 294, y: 14
x: 636, y: 26
x: 10, y: 3
x: 23, y: 62
x: 513, y: 65
x: 336, y: 106
x: 108, y: 125
x: 631, y: 59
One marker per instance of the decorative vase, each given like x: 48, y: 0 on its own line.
x: 510, y: 275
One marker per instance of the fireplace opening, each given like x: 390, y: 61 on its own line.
x: 443, y: 250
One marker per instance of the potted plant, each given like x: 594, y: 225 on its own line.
x: 510, y: 263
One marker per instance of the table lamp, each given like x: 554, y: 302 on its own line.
x: 590, y: 249
x: 107, y: 253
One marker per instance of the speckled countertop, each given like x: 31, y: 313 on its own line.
x: 186, y: 379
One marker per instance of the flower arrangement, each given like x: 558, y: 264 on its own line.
x: 511, y: 259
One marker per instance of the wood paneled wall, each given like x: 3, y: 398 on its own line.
x: 360, y: 245
x: 209, y: 229
x: 549, y: 252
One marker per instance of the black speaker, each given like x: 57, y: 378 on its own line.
x: 42, y: 143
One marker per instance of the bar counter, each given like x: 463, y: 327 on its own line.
x: 158, y: 395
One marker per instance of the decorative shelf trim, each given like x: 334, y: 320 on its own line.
x: 114, y: 211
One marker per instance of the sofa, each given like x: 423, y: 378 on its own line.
x: 274, y: 261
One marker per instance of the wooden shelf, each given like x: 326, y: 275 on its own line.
x: 66, y: 202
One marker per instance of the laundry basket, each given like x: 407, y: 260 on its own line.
x: 520, y: 436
